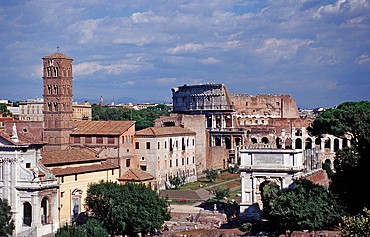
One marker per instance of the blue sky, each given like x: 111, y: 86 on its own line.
x: 317, y: 51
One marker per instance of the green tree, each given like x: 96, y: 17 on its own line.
x: 351, y: 163
x: 144, y: 118
x: 126, y: 208
x: 71, y: 230
x: 4, y: 110
x: 211, y: 174
x: 92, y: 228
x: 6, y: 221
x: 306, y: 206
x: 221, y: 192
x: 358, y: 225
x: 351, y: 118
x: 269, y: 191
x: 176, y: 181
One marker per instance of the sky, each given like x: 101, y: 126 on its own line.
x: 315, y: 50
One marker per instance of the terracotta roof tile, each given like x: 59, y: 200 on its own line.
x: 135, y: 174
x: 162, y: 131
x: 57, y: 55
x: 52, y: 158
x: 104, y: 165
x: 114, y: 128
x: 22, y: 140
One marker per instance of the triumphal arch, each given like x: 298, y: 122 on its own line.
x: 268, y: 164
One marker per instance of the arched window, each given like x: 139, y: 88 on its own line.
x: 253, y: 140
x: 265, y: 140
x: 45, y: 210
x: 298, y: 143
x: 27, y: 214
x: 336, y: 144
x: 327, y: 143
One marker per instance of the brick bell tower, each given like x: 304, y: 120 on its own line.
x: 57, y: 76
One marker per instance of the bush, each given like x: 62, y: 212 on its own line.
x: 221, y: 192
x: 358, y: 225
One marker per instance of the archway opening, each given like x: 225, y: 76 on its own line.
x: 265, y: 140
x: 27, y: 214
x: 44, y: 210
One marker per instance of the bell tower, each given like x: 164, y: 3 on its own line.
x: 57, y: 76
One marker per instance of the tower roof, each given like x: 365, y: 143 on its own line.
x: 57, y: 56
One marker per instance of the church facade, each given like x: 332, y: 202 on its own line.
x: 30, y: 188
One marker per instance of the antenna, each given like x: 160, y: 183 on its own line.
x: 58, y: 48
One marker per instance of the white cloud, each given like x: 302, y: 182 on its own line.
x: 90, y: 68
x: 192, y: 47
x: 147, y: 17
x: 210, y: 60
x: 274, y: 49
x: 363, y: 59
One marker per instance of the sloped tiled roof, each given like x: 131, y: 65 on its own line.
x: 163, y: 131
x: 113, y: 128
x: 57, y: 55
x: 136, y: 175
x: 52, y: 158
x: 87, y: 168
x: 22, y: 140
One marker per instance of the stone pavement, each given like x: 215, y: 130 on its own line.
x: 202, y: 219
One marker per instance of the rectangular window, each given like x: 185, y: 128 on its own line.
x: 99, y: 140
x: 76, y: 139
x: 110, y: 140
x: 159, y: 145
x: 137, y: 145
x: 170, y: 163
x: 148, y: 145
x: 88, y: 140
x: 75, y: 177
x: 128, y: 162
x: 143, y: 167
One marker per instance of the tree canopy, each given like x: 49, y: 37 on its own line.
x: 211, y: 174
x: 6, y: 221
x: 4, y: 110
x: 351, y: 163
x: 306, y: 206
x: 126, y: 209
x: 144, y: 118
x: 92, y: 228
x: 351, y: 118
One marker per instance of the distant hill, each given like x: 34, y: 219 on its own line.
x: 122, y: 100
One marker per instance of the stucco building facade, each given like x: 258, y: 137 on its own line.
x: 163, y: 152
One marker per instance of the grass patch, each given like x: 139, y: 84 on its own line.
x: 204, y: 183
